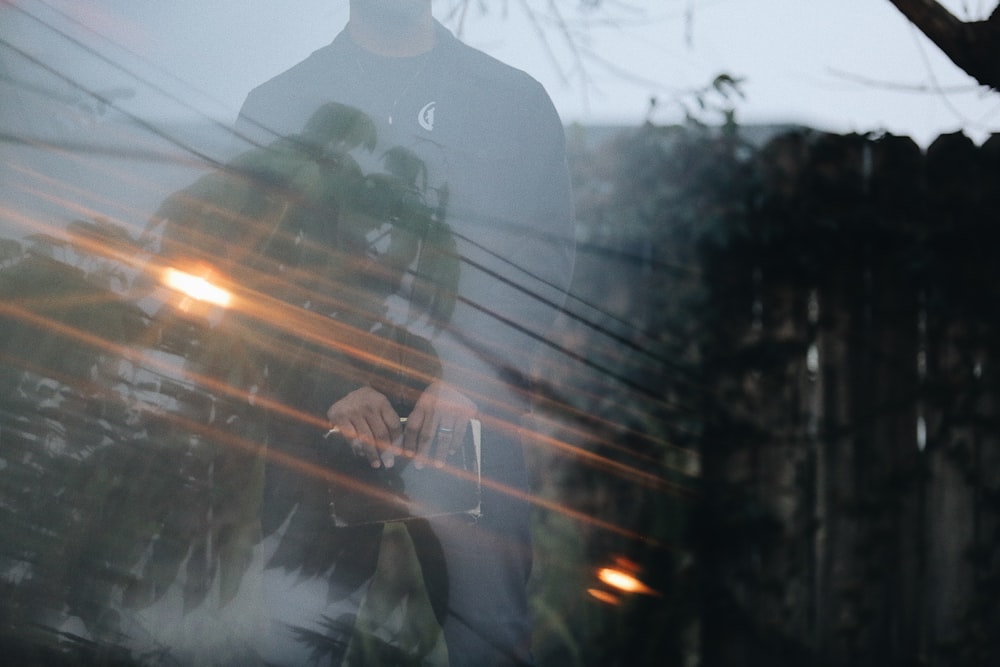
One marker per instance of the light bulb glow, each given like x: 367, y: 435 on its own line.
x: 602, y: 595
x: 622, y: 581
x: 197, y: 287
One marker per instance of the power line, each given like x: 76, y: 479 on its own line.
x: 149, y: 126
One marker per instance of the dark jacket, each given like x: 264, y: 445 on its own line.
x: 494, y: 156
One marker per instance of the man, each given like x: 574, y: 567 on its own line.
x: 491, y: 160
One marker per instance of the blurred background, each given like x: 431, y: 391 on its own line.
x: 768, y: 433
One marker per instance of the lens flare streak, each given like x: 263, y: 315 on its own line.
x: 197, y: 287
x: 623, y: 581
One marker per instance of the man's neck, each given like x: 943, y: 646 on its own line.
x: 388, y: 39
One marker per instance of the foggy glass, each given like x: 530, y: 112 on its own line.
x: 175, y: 292
x: 758, y: 414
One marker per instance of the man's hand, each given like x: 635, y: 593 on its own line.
x: 367, y: 419
x: 437, y: 424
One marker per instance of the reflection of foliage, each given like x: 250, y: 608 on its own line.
x: 645, y: 208
x: 113, y: 475
x: 719, y: 289
x: 133, y: 426
x: 396, y: 626
x: 299, y: 220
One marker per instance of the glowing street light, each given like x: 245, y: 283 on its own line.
x: 619, y: 579
x: 197, y: 287
x: 623, y: 581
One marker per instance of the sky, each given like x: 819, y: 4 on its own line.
x: 838, y: 65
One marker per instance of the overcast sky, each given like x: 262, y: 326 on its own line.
x: 842, y: 65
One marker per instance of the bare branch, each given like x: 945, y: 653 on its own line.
x: 971, y: 45
x: 917, y: 88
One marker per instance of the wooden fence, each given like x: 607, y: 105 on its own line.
x: 845, y: 326
x: 851, y: 461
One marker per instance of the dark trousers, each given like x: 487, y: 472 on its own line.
x: 476, y: 572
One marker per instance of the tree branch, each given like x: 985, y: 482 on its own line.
x: 972, y: 46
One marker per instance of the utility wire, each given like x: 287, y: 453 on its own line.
x: 157, y: 131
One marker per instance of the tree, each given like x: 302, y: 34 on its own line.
x: 971, y: 45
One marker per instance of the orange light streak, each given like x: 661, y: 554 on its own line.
x: 288, y: 460
x: 623, y: 581
x: 604, y: 596
x: 254, y: 309
x: 331, y: 335
x: 625, y: 471
x: 301, y: 465
x: 71, y: 206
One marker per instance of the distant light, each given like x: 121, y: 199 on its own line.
x: 197, y: 287
x: 603, y: 596
x: 623, y: 581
